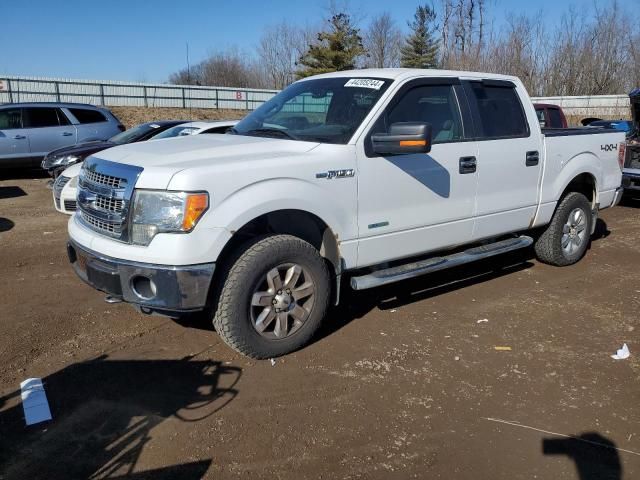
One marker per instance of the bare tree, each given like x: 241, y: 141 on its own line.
x: 382, y: 40
x: 280, y: 48
x: 224, y: 69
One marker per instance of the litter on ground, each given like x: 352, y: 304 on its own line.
x: 622, y: 353
x: 34, y: 401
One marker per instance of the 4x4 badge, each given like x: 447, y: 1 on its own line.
x: 349, y: 172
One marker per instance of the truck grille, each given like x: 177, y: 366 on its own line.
x: 100, y: 225
x: 69, y: 205
x: 102, y: 179
x: 105, y: 191
x: 109, y: 204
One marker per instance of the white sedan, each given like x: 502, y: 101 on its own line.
x: 65, y: 186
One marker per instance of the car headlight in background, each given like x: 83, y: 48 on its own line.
x: 165, y: 212
x: 63, y: 160
x: 74, y: 182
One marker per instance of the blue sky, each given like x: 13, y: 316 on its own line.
x: 139, y: 40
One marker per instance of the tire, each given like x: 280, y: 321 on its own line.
x: 262, y: 315
x: 567, y: 237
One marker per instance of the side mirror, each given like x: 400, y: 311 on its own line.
x: 403, y: 138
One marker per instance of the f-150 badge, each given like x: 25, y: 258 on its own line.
x: 331, y: 174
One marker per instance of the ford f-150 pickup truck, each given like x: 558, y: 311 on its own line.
x: 371, y: 176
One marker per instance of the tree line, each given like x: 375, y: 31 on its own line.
x: 592, y: 51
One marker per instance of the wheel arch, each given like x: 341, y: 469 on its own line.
x: 585, y: 183
x: 296, y: 222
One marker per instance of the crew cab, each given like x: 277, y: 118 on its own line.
x: 371, y: 176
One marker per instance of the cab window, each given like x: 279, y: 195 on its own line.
x: 433, y: 104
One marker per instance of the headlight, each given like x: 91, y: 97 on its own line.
x: 74, y: 182
x: 165, y: 212
x: 64, y: 160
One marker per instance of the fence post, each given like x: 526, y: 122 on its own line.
x: 102, y: 95
x: 246, y: 100
x: 10, y: 91
x: 57, y: 87
x: 217, y: 101
x: 184, y: 104
x: 146, y: 103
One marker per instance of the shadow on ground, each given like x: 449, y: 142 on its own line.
x: 356, y: 304
x: 11, y: 192
x: 103, y: 412
x: 6, y: 224
x: 595, y: 456
x: 22, y: 173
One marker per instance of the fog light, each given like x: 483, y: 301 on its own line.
x: 143, y: 234
x: 143, y: 287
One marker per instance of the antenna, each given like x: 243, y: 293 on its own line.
x: 189, y: 79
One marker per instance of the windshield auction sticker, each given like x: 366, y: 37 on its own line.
x: 365, y: 83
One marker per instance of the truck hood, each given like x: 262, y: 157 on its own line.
x: 162, y: 159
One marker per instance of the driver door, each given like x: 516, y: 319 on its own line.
x: 415, y: 203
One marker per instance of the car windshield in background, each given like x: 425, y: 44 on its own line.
x: 326, y: 110
x: 132, y: 134
x: 177, y: 131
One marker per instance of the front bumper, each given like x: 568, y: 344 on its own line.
x: 154, y: 287
x: 631, y: 180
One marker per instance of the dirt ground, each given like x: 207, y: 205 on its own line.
x: 131, y: 116
x: 403, y: 382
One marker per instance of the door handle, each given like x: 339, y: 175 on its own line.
x: 19, y: 137
x: 67, y: 134
x: 533, y: 158
x: 467, y: 165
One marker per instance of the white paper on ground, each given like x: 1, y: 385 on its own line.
x: 34, y: 401
x: 622, y: 353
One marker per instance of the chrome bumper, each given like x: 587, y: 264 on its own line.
x: 155, y: 287
x: 618, y: 196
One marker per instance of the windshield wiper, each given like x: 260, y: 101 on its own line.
x: 272, y: 131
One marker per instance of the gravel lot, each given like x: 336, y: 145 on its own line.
x: 402, y: 383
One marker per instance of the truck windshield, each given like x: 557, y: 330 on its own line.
x: 325, y: 110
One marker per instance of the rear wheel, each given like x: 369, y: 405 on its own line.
x: 567, y: 237
x: 274, y: 297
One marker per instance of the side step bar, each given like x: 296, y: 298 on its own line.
x: 415, y: 269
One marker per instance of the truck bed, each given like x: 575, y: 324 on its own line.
x: 564, y: 132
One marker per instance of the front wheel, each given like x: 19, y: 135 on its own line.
x: 567, y: 237
x: 274, y: 297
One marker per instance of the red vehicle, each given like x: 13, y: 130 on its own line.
x: 550, y: 116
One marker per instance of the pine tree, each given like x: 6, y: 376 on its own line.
x: 335, y: 50
x: 421, y: 49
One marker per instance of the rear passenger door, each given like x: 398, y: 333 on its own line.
x: 91, y: 124
x: 415, y: 203
x: 509, y: 157
x: 47, y: 129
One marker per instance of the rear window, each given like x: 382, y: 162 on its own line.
x: 85, y: 115
x: 10, y: 118
x: 500, y: 110
x: 555, y: 119
x: 38, y: 117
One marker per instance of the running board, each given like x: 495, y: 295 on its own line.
x: 415, y: 269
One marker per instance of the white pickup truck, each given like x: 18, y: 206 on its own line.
x: 378, y: 175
